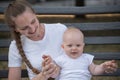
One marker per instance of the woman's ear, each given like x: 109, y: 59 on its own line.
x: 16, y: 30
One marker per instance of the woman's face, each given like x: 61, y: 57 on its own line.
x: 27, y: 24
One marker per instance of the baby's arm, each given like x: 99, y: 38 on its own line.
x: 48, y: 60
x: 106, y: 67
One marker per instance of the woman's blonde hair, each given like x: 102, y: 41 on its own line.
x: 13, y: 10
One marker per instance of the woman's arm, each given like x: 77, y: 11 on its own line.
x: 54, y: 69
x: 49, y: 69
x: 14, y: 73
x: 40, y: 76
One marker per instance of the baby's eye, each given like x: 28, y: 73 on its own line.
x: 78, y: 45
x: 69, y: 45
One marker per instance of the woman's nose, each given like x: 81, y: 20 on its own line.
x: 31, y: 29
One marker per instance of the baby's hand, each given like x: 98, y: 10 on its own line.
x: 47, y: 59
x: 110, y: 66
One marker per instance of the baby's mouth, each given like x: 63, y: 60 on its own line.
x: 73, y: 53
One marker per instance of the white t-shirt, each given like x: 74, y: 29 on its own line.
x: 74, y: 69
x: 50, y: 44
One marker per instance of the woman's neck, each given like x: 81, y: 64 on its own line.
x: 41, y: 33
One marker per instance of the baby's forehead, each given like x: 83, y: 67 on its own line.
x: 73, y: 31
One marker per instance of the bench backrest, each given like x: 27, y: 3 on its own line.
x: 87, y: 28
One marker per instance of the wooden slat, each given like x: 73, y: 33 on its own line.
x: 103, y: 40
x: 77, y: 10
x: 4, y: 73
x: 4, y: 43
x: 82, y: 26
x: 3, y: 57
x: 106, y: 55
x: 74, y: 10
x: 98, y: 56
x: 96, y: 26
x: 4, y: 28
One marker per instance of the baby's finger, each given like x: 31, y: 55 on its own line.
x: 113, y: 61
x: 44, y: 56
x: 43, y: 63
x: 48, y: 60
x: 110, y: 69
x: 114, y: 65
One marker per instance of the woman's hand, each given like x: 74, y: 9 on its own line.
x: 49, y: 68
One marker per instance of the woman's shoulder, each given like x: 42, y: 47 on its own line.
x: 55, y: 26
x: 55, y: 29
x: 13, y: 47
x: 13, y: 43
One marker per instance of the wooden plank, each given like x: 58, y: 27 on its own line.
x: 4, y: 43
x: 82, y: 26
x: 4, y: 27
x: 106, y: 55
x: 3, y: 57
x: 96, y: 26
x: 4, y: 73
x: 67, y: 10
x: 98, y: 56
x: 102, y: 40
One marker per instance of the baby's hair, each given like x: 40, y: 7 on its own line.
x: 13, y: 10
x: 71, y: 28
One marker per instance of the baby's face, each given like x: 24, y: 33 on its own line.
x: 73, y: 45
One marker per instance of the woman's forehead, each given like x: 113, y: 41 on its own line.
x: 24, y: 18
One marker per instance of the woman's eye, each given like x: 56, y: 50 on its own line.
x: 24, y: 28
x: 33, y: 21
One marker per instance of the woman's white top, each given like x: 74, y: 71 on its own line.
x: 50, y: 45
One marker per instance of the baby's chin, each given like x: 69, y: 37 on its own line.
x: 74, y: 56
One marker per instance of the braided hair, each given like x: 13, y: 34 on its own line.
x: 13, y: 10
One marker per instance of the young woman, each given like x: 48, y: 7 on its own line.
x: 31, y: 40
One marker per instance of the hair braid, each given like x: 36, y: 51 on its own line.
x: 14, y: 9
x: 21, y: 51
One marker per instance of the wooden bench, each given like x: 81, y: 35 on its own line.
x: 89, y: 29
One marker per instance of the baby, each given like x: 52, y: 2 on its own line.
x: 73, y: 63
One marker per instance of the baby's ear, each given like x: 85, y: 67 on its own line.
x: 83, y: 44
x: 62, y: 46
